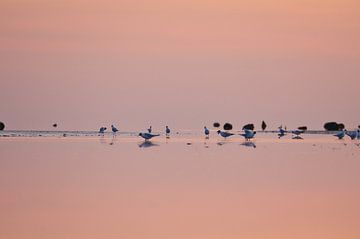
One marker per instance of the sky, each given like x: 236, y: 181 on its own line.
x: 86, y: 64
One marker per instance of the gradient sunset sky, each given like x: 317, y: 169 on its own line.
x: 85, y: 64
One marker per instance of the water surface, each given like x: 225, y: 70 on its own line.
x: 182, y: 187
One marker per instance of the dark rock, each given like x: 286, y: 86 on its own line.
x: 331, y: 126
x: 248, y: 127
x: 54, y: 125
x: 303, y: 128
x: 2, y: 126
x: 216, y: 125
x: 341, y: 126
x: 263, y: 125
x: 227, y: 126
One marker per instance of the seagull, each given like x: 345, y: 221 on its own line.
x: 148, y: 136
x: 249, y: 134
x: 206, y: 131
x: 297, y: 132
x: 341, y: 134
x: 282, y: 132
x: 167, y: 131
x: 352, y: 134
x: 150, y: 129
x: 224, y: 134
x: 102, y: 130
x: 114, y: 130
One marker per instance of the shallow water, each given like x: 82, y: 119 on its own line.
x: 86, y: 186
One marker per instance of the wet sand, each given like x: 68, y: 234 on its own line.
x: 182, y: 187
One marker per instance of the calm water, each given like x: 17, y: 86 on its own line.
x: 88, y: 187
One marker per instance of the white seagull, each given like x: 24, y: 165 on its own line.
x: 341, y: 134
x: 114, y: 130
x: 352, y: 134
x: 224, y: 134
x: 102, y: 130
x: 282, y: 132
x: 148, y: 136
x: 249, y: 134
x: 297, y: 132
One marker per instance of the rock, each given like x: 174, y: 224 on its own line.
x: 341, y: 126
x: 216, y: 125
x: 227, y: 126
x: 2, y: 126
x: 54, y: 125
x: 248, y: 127
x: 263, y: 125
x: 303, y: 128
x: 333, y: 126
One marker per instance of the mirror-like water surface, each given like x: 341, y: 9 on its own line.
x: 181, y: 187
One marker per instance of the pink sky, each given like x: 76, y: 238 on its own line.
x: 84, y: 64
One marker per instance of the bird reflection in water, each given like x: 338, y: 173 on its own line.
x: 297, y: 137
x: 248, y: 144
x: 221, y: 143
x: 102, y: 140
x: 147, y: 144
x: 107, y: 140
x: 206, y: 145
x: 113, y: 140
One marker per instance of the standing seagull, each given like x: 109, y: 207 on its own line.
x: 352, y: 134
x: 249, y: 134
x: 167, y: 131
x: 102, y: 130
x: 341, y: 134
x: 114, y: 130
x: 206, y: 132
x: 297, y: 132
x: 148, y: 136
x: 224, y: 134
x: 150, y: 129
x: 282, y: 132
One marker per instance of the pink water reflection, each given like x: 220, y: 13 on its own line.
x: 87, y: 188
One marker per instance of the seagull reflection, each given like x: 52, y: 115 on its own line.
x: 297, y: 137
x: 206, y: 145
x: 248, y: 144
x: 102, y: 140
x: 147, y: 144
x: 221, y: 143
x: 113, y: 140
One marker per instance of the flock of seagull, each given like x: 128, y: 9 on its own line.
x: 248, y: 134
